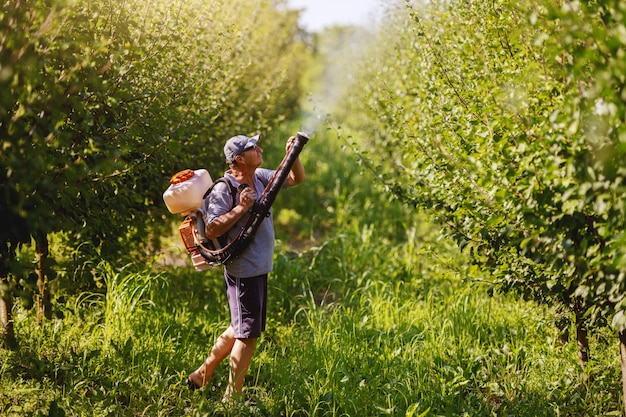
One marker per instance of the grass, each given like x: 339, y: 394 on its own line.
x: 375, y: 315
x: 353, y: 331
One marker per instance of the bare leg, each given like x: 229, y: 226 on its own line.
x: 240, y: 358
x: 222, y: 348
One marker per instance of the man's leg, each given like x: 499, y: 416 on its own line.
x: 222, y: 348
x: 240, y: 358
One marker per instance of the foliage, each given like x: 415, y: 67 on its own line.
x: 375, y: 318
x: 506, y: 122
x: 380, y: 314
x: 103, y: 101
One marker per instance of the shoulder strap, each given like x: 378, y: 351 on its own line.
x: 233, y: 189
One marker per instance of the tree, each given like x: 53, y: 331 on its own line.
x: 102, y: 102
x: 507, y: 122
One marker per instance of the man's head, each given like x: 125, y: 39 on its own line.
x: 237, y: 145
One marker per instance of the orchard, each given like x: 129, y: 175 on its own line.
x: 458, y: 247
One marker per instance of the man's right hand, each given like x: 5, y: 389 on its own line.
x: 247, y: 198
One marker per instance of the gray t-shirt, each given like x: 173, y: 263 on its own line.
x: 257, y: 258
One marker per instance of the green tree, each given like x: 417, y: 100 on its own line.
x: 507, y: 122
x: 102, y: 102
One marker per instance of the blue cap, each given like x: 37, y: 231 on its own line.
x: 237, y: 144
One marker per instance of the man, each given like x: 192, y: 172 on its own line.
x: 246, y: 276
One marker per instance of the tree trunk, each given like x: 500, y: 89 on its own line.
x: 563, y: 324
x: 622, y: 351
x: 563, y: 337
x: 9, y: 340
x: 581, y: 338
x: 43, y: 296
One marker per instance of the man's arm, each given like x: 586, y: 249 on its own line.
x: 296, y: 174
x: 223, y: 223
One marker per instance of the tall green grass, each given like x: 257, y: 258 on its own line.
x: 354, y: 330
x: 401, y: 330
x: 371, y: 313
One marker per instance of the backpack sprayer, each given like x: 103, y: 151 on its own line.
x: 186, y: 194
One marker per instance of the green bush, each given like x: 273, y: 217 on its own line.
x: 506, y: 124
x: 103, y: 102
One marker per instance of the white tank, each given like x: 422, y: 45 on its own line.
x: 184, y: 195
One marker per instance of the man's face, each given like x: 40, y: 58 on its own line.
x: 253, y: 155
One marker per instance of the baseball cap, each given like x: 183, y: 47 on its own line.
x: 237, y: 144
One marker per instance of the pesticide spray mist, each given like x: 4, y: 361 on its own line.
x: 340, y: 52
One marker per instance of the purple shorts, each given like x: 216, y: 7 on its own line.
x: 247, y: 298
